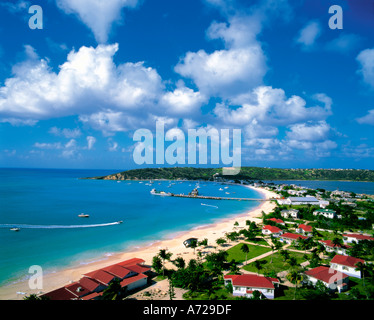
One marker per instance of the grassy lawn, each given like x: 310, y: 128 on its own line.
x: 277, y: 264
x: 258, y: 241
x: 239, y: 256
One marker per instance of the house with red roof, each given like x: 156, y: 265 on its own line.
x: 355, y: 237
x: 289, y: 237
x: 132, y: 274
x: 304, y: 229
x: 271, y: 230
x: 333, y: 279
x: 278, y: 221
x: 337, y: 248
x: 245, y: 284
x: 347, y: 265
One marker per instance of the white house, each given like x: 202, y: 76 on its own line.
x: 327, y: 213
x: 246, y: 284
x: 346, y: 264
x: 355, y: 237
x: 289, y: 237
x: 299, y: 201
x: 292, y: 213
x: 337, y: 248
x: 333, y: 279
x: 271, y: 230
x: 304, y: 229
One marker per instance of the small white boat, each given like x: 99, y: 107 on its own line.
x: 15, y: 229
x: 83, y: 215
x: 220, y: 189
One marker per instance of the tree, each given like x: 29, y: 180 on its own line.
x: 245, y: 249
x: 292, y: 262
x: 113, y: 291
x: 234, y: 267
x: 295, y: 277
x: 257, y: 265
x: 164, y: 255
x: 285, y: 254
x: 220, y: 241
x: 34, y: 297
x: 256, y: 295
x: 362, y: 268
x: 179, y: 263
x: 203, y: 242
x: 171, y: 290
x: 157, y: 264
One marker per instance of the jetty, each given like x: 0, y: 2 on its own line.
x: 195, y: 195
x: 215, y: 198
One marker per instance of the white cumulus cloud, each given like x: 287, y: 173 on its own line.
x: 98, y: 15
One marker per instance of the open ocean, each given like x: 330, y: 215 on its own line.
x: 43, y: 200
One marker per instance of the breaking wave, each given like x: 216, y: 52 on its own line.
x: 30, y: 226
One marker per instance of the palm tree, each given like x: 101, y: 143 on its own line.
x: 164, y: 255
x: 171, y: 289
x: 245, y: 249
x: 285, y: 254
x: 257, y: 265
x: 362, y: 268
x: 292, y: 262
x: 113, y: 291
x: 179, y: 263
x: 295, y: 277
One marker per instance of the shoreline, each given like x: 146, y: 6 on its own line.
x: 173, y: 242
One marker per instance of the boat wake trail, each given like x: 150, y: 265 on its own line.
x: 31, y: 226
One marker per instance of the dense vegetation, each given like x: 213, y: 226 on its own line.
x: 246, y: 173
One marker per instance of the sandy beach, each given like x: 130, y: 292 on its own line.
x: 174, y: 244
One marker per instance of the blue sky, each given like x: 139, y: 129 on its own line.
x: 73, y: 93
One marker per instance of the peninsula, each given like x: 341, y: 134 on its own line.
x: 246, y: 174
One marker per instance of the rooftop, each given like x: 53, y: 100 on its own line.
x: 251, y: 280
x: 346, y: 260
x: 326, y: 274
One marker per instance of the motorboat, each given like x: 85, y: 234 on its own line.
x: 15, y: 229
x: 83, y: 215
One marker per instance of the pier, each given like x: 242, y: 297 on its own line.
x: 215, y: 198
x: 195, y: 195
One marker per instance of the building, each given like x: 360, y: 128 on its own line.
x: 291, y: 213
x: 323, y: 203
x: 271, y: 230
x: 333, y: 279
x: 132, y: 274
x: 244, y: 285
x: 355, y: 237
x: 187, y: 243
x: 337, y: 248
x: 278, y: 221
x: 339, y: 193
x: 299, y: 201
x: 304, y: 229
x: 346, y: 264
x: 289, y: 237
x: 327, y: 213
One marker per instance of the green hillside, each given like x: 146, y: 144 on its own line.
x: 246, y: 173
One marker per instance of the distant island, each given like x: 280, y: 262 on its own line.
x: 246, y: 174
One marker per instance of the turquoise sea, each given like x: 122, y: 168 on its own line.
x: 40, y: 201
